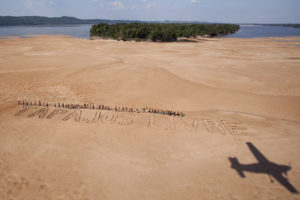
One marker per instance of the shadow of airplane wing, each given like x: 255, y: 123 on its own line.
x: 284, y: 181
x: 258, y: 155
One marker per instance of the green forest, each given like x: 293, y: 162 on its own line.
x: 164, y: 32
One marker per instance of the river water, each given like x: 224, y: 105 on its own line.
x: 77, y: 31
x: 82, y: 31
x: 258, y: 31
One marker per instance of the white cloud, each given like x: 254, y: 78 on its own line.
x: 193, y: 1
x: 134, y: 7
x: 30, y: 4
x: 116, y: 5
x: 151, y: 5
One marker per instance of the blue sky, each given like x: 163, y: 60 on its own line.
x: 231, y: 11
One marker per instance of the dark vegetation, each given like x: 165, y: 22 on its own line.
x: 37, y: 20
x: 159, y: 32
x: 284, y: 25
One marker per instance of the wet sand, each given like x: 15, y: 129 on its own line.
x: 233, y: 91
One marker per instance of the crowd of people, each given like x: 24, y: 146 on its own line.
x: 102, y: 107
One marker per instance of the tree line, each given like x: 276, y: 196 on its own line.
x: 39, y: 20
x: 159, y: 31
x: 284, y: 25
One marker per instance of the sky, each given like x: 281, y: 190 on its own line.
x: 227, y: 11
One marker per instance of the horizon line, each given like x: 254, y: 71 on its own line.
x: 165, y: 20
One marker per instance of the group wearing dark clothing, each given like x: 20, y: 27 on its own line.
x: 103, y: 107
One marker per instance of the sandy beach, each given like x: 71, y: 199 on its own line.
x: 233, y: 92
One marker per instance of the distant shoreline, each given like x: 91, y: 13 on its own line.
x: 82, y: 31
x: 40, y: 20
x: 66, y: 20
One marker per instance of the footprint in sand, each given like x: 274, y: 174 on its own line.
x: 13, y: 186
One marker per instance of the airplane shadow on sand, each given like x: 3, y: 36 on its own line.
x: 264, y: 166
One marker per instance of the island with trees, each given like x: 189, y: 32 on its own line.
x: 160, y: 32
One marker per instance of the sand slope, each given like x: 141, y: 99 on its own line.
x: 233, y: 91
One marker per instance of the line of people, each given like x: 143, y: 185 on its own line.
x: 102, y: 107
x: 161, y: 111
